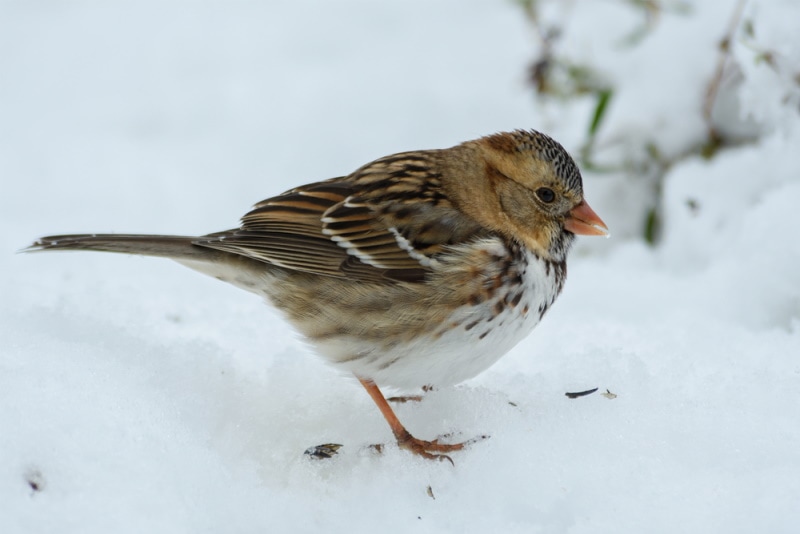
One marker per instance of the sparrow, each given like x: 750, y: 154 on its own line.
x: 418, y: 269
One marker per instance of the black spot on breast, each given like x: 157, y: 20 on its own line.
x: 475, y: 299
x: 515, y: 278
x: 499, y: 306
x: 542, y: 310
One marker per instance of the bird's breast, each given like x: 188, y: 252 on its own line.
x: 475, y: 333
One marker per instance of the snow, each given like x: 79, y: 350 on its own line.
x: 137, y: 396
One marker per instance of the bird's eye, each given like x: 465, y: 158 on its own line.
x: 545, y: 194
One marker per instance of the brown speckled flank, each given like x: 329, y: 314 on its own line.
x: 419, y: 268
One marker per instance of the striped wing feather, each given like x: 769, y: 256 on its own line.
x: 385, y: 222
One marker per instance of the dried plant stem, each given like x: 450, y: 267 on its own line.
x: 713, y: 86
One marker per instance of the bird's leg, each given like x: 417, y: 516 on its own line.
x: 426, y: 449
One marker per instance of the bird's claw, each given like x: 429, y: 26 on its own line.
x: 434, y: 449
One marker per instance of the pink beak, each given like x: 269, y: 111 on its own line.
x: 582, y: 220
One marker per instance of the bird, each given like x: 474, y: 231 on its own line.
x: 418, y: 269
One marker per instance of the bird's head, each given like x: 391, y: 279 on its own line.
x: 530, y: 190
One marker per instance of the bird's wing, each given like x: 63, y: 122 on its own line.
x: 385, y: 222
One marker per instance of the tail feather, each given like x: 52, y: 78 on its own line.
x: 241, y: 271
x: 167, y: 246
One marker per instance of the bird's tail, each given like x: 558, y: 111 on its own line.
x: 167, y: 246
x: 241, y: 271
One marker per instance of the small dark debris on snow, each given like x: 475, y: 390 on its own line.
x: 402, y: 399
x: 324, y: 451
x: 35, y: 480
x: 609, y: 395
x: 430, y: 493
x: 580, y: 393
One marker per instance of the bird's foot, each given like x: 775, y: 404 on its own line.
x: 433, y: 450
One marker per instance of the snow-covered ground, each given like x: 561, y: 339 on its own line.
x: 138, y: 396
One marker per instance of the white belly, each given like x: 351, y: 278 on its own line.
x: 459, y: 353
